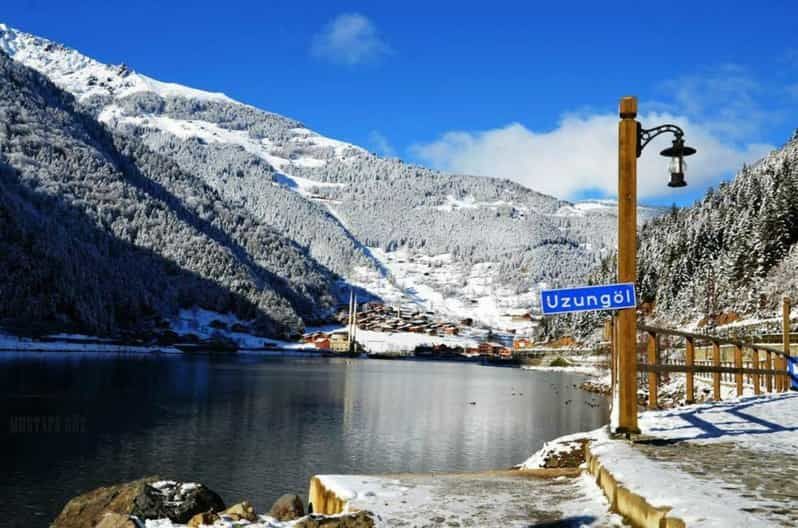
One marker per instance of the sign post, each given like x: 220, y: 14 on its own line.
x: 627, y: 266
x: 620, y: 297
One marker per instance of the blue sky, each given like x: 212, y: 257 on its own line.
x: 521, y: 90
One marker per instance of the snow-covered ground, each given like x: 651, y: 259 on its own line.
x: 207, y: 324
x: 759, y: 429
x: 766, y: 423
x: 443, y: 285
x: 479, y: 499
x: 72, y: 343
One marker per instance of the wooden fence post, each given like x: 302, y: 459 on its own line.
x: 716, y: 375
x: 738, y: 364
x: 613, y: 366
x: 690, y: 361
x: 755, y: 360
x: 768, y: 376
x: 785, y: 327
x: 653, y: 377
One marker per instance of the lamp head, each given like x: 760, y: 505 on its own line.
x: 677, y: 166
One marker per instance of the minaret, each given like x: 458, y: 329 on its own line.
x: 349, y: 318
x: 354, y: 325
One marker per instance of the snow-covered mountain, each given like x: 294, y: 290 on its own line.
x: 462, y: 245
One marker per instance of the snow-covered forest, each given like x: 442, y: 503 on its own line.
x: 127, y: 199
x: 101, y: 233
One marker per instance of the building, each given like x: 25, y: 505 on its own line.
x: 522, y: 343
x: 490, y: 349
x: 339, y: 342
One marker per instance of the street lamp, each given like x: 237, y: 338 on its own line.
x: 632, y: 138
x: 677, y: 152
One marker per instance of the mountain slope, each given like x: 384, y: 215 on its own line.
x: 464, y: 245
x: 121, y: 235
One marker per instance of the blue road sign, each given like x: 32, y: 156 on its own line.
x: 792, y: 366
x: 588, y: 298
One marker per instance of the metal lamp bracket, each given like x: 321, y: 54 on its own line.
x: 644, y: 136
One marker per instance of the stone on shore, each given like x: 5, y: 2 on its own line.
x: 147, y: 498
x: 203, y: 519
x: 116, y: 520
x: 287, y: 508
x: 361, y: 519
x: 243, y: 511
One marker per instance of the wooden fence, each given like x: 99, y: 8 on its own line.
x: 663, y: 351
x: 765, y: 367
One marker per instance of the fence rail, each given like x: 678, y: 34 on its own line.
x: 764, y: 370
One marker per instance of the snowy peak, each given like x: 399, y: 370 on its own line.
x: 122, y: 95
x: 85, y: 77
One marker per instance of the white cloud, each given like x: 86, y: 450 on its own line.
x: 581, y: 154
x: 723, y: 111
x: 349, y: 39
x: 381, y: 145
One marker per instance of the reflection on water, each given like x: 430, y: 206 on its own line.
x: 254, y: 428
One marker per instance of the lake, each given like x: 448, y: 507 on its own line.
x: 254, y: 427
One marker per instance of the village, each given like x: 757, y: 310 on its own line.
x: 432, y: 335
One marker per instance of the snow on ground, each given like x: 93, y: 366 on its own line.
x: 698, y: 502
x: 765, y: 423
x: 75, y: 343
x: 563, y: 444
x: 754, y: 428
x: 605, y: 208
x: 457, y: 290
x: 213, y: 133
x: 208, y: 324
x: 469, y: 202
x: 501, y: 498
x: 578, y: 369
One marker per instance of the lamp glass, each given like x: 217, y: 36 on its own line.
x: 677, y: 165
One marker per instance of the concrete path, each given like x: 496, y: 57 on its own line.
x: 727, y: 463
x: 770, y: 480
x: 501, y: 498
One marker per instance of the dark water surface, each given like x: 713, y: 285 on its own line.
x: 254, y: 428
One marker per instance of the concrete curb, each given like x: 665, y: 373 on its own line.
x: 634, y: 508
x: 325, y: 501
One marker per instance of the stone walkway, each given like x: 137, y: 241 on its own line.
x: 769, y: 479
x: 502, y: 498
x: 746, y: 446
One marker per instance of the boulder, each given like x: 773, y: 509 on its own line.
x: 147, y: 498
x: 243, y: 511
x: 287, y: 508
x: 176, y: 501
x: 361, y: 519
x: 87, y: 510
x: 116, y: 520
x: 203, y: 519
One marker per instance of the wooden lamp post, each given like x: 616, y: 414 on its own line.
x: 632, y: 138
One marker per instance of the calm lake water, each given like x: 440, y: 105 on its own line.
x: 254, y: 428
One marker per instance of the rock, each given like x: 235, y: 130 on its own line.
x: 116, y: 520
x: 287, y: 508
x: 361, y: 519
x: 207, y: 519
x: 87, y: 510
x: 176, y: 501
x: 243, y: 511
x: 147, y: 498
